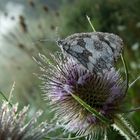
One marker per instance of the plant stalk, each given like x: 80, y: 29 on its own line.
x: 121, y: 125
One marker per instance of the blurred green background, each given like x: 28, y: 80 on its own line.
x: 30, y: 27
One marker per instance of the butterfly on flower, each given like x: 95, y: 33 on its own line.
x: 96, y: 51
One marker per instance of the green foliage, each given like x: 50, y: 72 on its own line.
x: 117, y: 16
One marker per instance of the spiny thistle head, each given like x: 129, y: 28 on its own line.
x: 105, y: 93
x: 14, y: 125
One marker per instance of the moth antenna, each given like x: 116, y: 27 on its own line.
x: 53, y: 39
x: 58, y: 39
x: 57, y: 34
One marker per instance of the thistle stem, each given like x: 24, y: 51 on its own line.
x: 88, y: 18
x: 121, y: 125
x: 126, y: 73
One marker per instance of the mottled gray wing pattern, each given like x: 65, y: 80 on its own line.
x: 96, y: 51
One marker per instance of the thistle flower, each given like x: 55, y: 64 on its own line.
x: 14, y: 127
x: 105, y: 93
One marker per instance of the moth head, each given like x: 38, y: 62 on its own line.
x: 59, y: 42
x: 63, y: 44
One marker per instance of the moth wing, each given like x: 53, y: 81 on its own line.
x: 92, y: 50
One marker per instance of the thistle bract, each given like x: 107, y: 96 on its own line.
x: 13, y: 125
x: 104, y: 92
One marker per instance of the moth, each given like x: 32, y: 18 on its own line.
x: 96, y: 51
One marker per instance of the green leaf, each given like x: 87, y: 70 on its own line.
x: 91, y: 110
x: 5, y: 98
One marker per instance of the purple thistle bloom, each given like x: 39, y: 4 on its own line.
x: 14, y: 124
x: 105, y: 93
